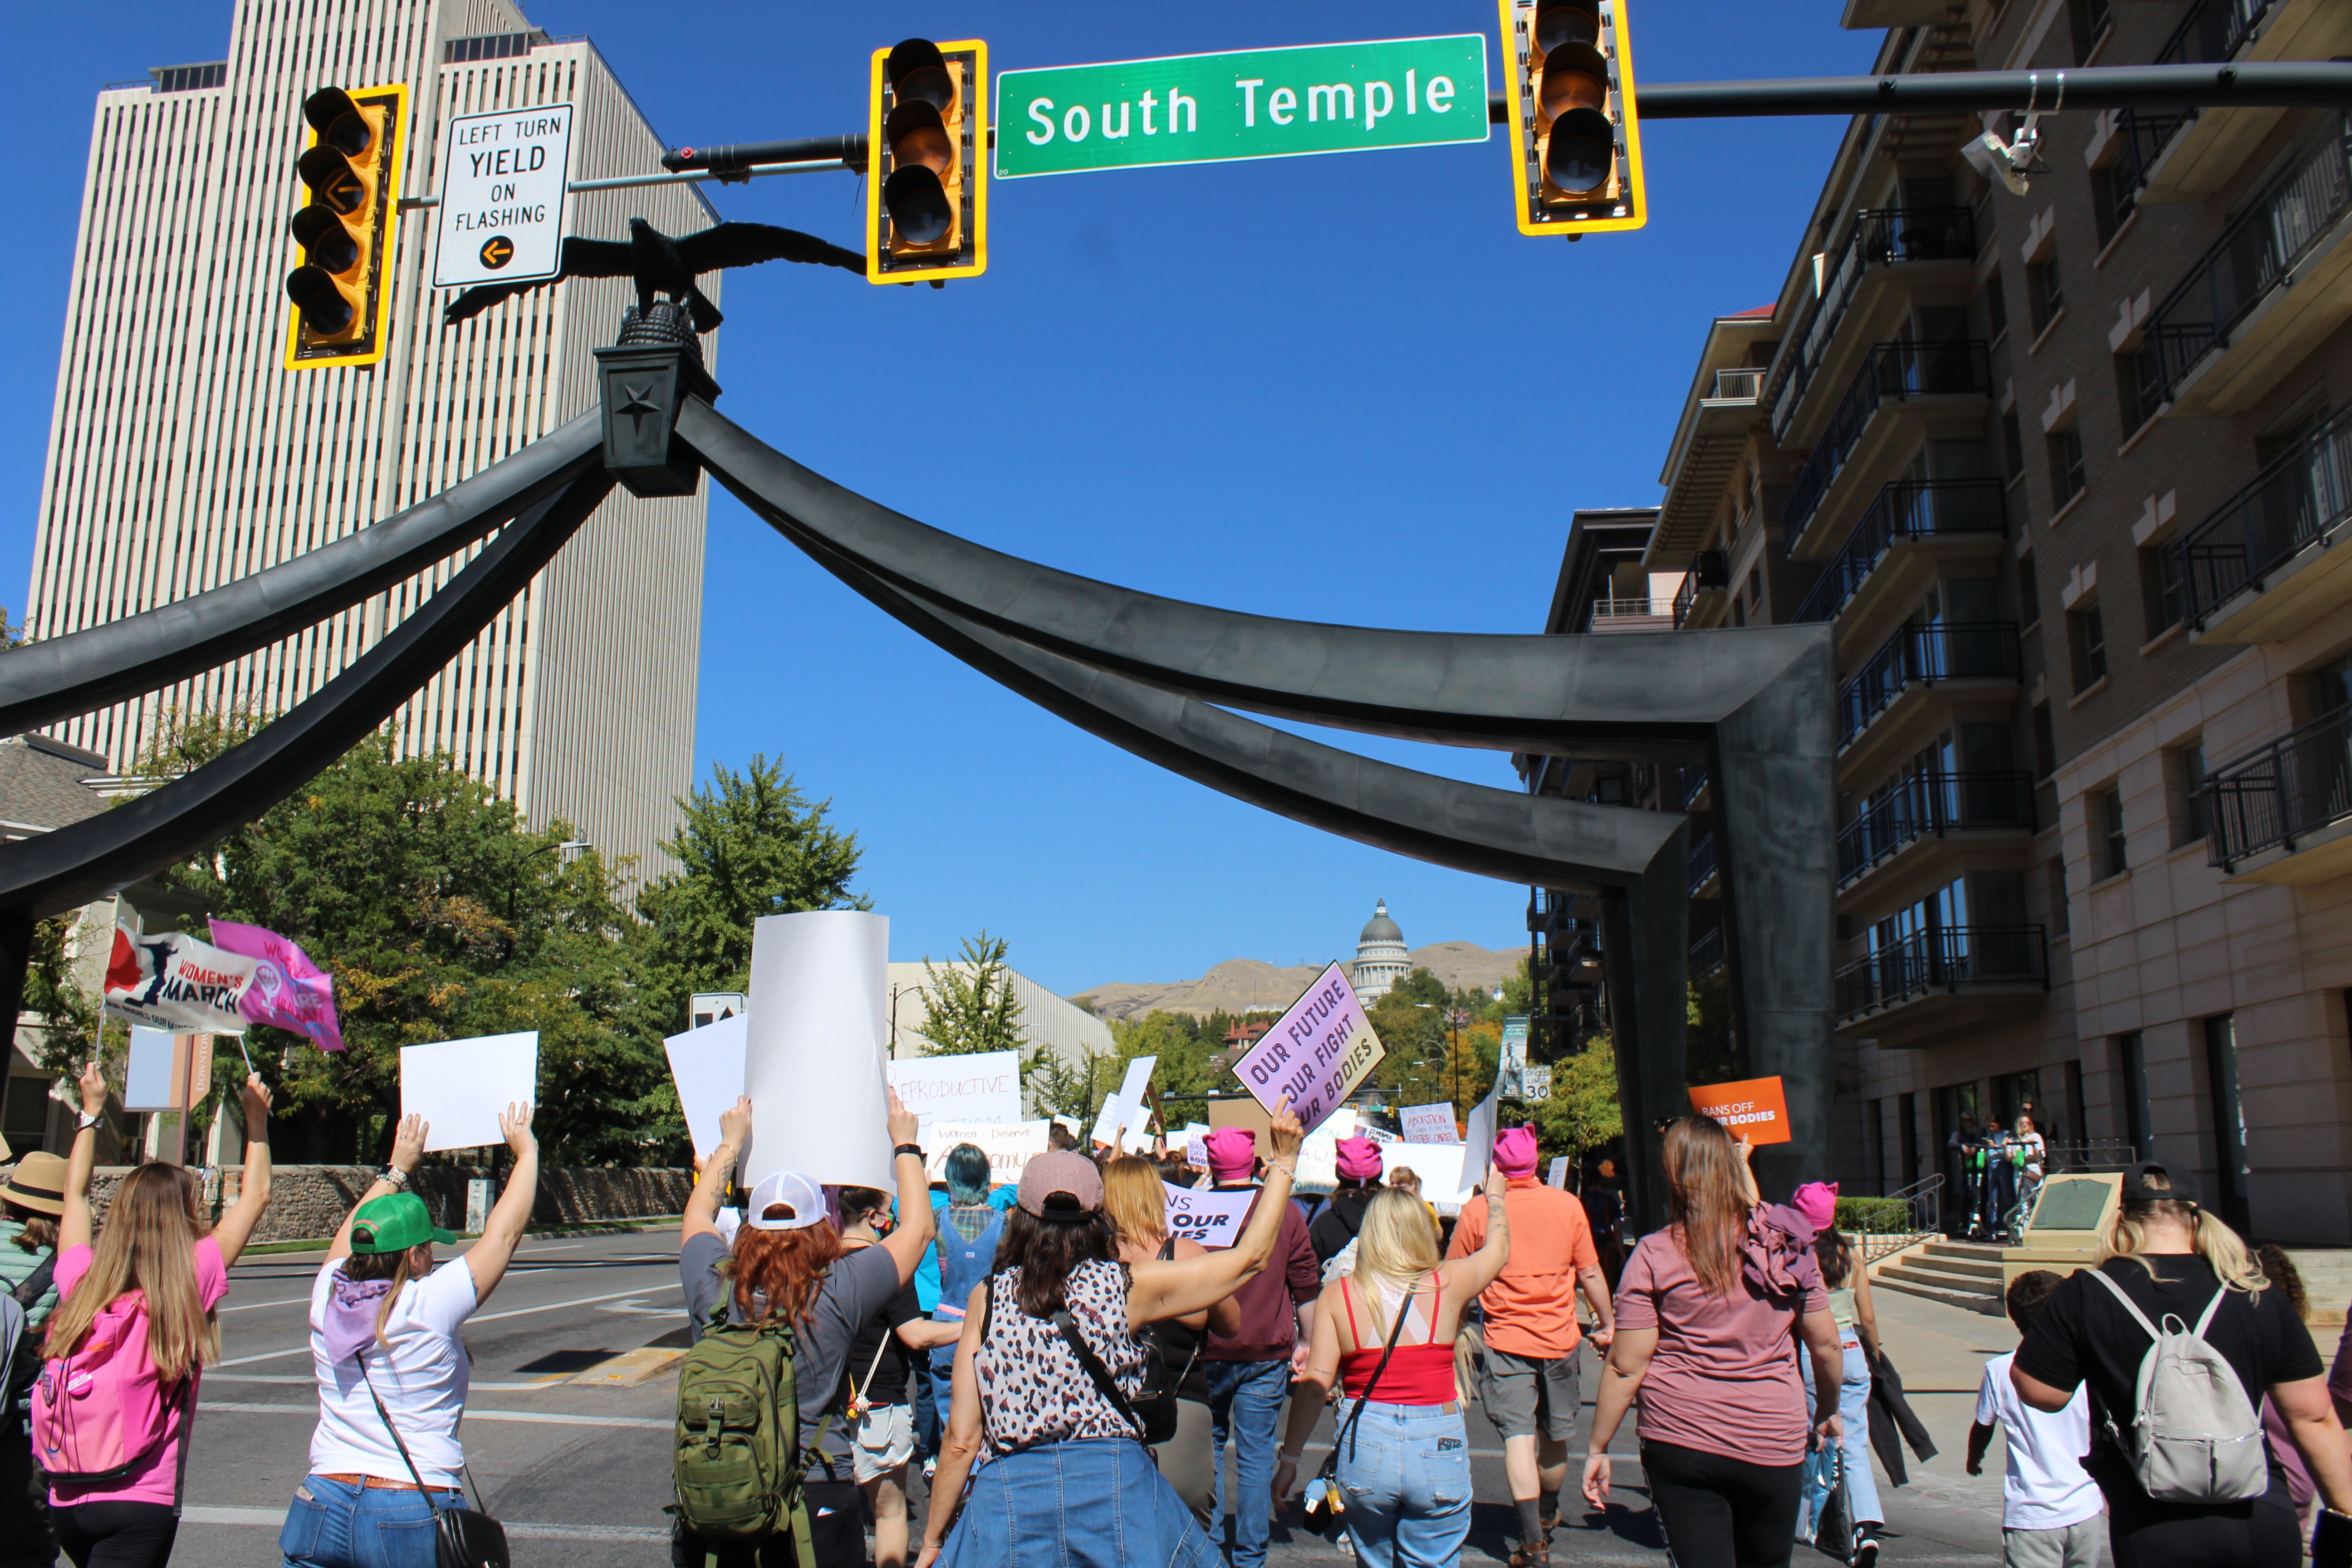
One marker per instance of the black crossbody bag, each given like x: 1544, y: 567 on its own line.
x: 463, y: 1537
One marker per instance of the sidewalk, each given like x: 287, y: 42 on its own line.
x: 1941, y: 1352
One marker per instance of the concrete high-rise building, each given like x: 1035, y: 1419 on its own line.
x: 183, y: 455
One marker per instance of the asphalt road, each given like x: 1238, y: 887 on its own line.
x: 579, y: 1473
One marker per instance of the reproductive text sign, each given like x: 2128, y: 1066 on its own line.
x: 1755, y: 1107
x: 1316, y: 1054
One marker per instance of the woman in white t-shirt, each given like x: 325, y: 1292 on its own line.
x: 391, y: 1370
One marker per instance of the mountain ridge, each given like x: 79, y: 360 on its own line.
x: 1253, y: 986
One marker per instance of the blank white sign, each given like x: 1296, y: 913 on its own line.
x: 706, y: 1065
x: 459, y: 1087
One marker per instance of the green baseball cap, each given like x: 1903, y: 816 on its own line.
x: 395, y: 1223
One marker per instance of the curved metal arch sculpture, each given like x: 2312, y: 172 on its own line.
x: 1152, y: 675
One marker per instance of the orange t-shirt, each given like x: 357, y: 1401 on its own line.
x: 1531, y: 1305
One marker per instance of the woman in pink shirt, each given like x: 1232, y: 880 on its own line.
x: 1710, y: 1314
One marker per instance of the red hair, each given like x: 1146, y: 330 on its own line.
x: 777, y: 1272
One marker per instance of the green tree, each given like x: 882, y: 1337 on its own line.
x: 972, y: 1005
x: 747, y: 845
x: 1583, y: 1113
x: 71, y: 1021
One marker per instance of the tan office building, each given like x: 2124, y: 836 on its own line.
x: 182, y: 454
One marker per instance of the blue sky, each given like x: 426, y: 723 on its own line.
x: 1343, y: 389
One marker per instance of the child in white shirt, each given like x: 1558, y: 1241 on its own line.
x: 2050, y: 1507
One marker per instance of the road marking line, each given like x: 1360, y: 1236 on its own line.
x: 546, y: 1418
x: 478, y: 1317
x: 306, y: 1379
x: 274, y: 1518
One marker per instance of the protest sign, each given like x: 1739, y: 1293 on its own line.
x: 1755, y: 1106
x: 151, y: 1077
x: 1214, y: 1219
x: 1428, y: 1124
x: 1196, y: 1146
x: 1480, y: 1139
x: 172, y: 982
x: 1318, y: 1153
x: 1377, y: 1134
x: 289, y: 991
x: 1316, y: 1054
x: 984, y: 1087
x: 459, y: 1087
x: 1558, y: 1176
x: 1009, y: 1145
x: 1127, y: 1108
x: 819, y: 1035
x: 707, y: 1065
x: 1439, y: 1166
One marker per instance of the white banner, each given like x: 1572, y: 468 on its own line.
x: 984, y: 1087
x: 1009, y: 1145
x: 174, y: 982
x: 707, y: 1065
x: 459, y: 1087
x: 819, y: 1035
x: 1428, y: 1124
x: 1214, y: 1219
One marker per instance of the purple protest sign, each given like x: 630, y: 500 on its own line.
x: 289, y: 991
x: 1316, y: 1054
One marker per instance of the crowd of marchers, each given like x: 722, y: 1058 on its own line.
x: 1069, y: 1376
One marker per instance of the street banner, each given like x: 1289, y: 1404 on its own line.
x: 1558, y: 1176
x: 459, y: 1087
x: 1430, y: 1124
x: 1127, y: 1108
x: 173, y: 983
x: 1246, y: 104
x: 503, y: 178
x: 1439, y: 1166
x: 983, y: 1087
x: 1511, y: 1063
x: 819, y: 1036
x: 1755, y: 1106
x: 1211, y: 1218
x: 1316, y: 1054
x: 707, y: 1065
x: 1009, y: 1145
x: 289, y: 991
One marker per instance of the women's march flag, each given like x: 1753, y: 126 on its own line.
x: 246, y: 975
x: 289, y: 991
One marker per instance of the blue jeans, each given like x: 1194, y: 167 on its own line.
x: 1096, y: 1502
x: 340, y: 1525
x: 1246, y: 1400
x: 1405, y: 1470
x: 1853, y: 1410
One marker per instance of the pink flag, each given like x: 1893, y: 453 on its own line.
x: 289, y: 991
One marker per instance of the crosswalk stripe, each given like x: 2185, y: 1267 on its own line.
x: 274, y: 1517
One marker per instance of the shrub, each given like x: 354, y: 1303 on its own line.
x: 1875, y: 1217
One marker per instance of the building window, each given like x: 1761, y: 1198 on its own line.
x: 2230, y: 1159
x: 1996, y: 306
x: 2086, y: 636
x: 2159, y: 589
x: 2107, y: 825
x: 2139, y: 1120
x: 2065, y: 465
x: 2045, y: 294
x: 2114, y: 195
x: 2088, y: 21
x: 2013, y: 448
x: 2130, y: 403
x: 2194, y: 820
x: 2028, y: 593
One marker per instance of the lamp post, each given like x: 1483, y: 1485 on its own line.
x: 514, y: 882
x: 1453, y: 1043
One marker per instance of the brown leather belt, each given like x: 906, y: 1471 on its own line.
x: 377, y: 1483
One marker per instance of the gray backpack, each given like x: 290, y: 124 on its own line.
x: 2195, y: 1436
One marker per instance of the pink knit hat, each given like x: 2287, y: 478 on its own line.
x: 1358, y: 1159
x: 1817, y: 1200
x: 1232, y: 1153
x: 1515, y: 1151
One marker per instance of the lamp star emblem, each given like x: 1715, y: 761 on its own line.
x: 640, y: 402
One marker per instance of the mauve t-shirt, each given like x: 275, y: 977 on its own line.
x: 1724, y: 1379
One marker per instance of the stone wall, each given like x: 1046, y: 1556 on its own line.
x: 310, y: 1201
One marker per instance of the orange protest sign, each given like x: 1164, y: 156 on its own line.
x: 1753, y: 1106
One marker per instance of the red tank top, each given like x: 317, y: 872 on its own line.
x: 1416, y: 1374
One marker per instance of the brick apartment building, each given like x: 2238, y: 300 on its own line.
x: 2065, y: 471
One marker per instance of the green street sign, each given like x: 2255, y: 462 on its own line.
x: 1250, y: 103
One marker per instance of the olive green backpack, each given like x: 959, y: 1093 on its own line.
x: 739, y: 1456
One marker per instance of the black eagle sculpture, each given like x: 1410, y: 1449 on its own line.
x: 661, y: 263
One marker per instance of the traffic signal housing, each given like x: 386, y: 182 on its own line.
x: 926, y: 169
x: 1577, y: 145
x: 341, y: 292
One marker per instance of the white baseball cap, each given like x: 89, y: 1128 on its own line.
x: 803, y: 1201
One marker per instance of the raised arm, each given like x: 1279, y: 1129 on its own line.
x: 1475, y: 1271
x: 407, y: 1149
x: 74, y: 1226
x: 702, y: 1205
x: 1180, y: 1286
x: 234, y: 1228
x: 917, y: 1224
x: 502, y: 1232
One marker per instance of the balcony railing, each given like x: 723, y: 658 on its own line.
x: 2294, y: 787
x: 2212, y: 32
x: 1926, y: 805
x: 1689, y: 782
x: 2299, y: 497
x: 2258, y: 249
x: 1881, y: 236
x: 1702, y: 863
x: 1894, y: 372
x: 1640, y: 614
x: 1707, y: 952
x: 1943, y: 959
x: 1708, y: 574
x: 1908, y: 509
x: 1921, y: 656
x: 1738, y: 386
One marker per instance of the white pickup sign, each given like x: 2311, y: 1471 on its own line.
x: 502, y: 194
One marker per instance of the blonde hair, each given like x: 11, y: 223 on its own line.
x: 2126, y: 1232
x: 1396, y: 1249
x: 148, y: 1244
x: 1134, y: 1200
x: 1707, y: 1202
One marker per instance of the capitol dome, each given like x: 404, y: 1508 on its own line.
x: 1380, y: 957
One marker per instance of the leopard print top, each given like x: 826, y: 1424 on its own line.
x: 1031, y: 1389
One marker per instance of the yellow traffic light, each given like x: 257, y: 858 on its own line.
x: 927, y: 170
x: 1577, y: 145
x: 351, y: 170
